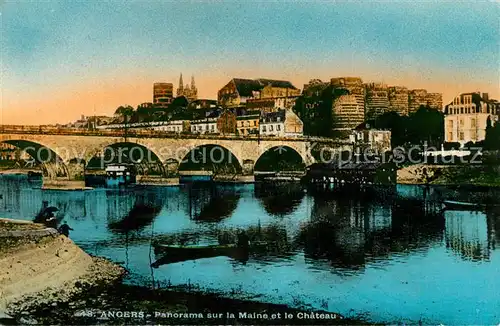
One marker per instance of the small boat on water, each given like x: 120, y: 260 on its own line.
x: 460, y: 205
x: 177, y: 253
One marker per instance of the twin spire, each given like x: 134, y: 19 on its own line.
x: 189, y: 91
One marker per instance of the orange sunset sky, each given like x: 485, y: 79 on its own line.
x: 62, y: 60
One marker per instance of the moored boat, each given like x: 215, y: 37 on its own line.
x: 460, y: 205
x: 177, y: 253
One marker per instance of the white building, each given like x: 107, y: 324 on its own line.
x: 467, y: 115
x: 375, y: 139
x: 204, y: 126
x: 174, y: 126
x: 283, y: 123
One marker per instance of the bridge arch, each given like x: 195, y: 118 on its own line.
x: 145, y: 159
x: 280, y: 158
x: 211, y: 157
x: 35, y: 154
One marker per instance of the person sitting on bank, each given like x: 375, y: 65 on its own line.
x: 64, y: 229
x: 243, y: 240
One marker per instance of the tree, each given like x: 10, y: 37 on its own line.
x: 396, y: 124
x: 492, y: 138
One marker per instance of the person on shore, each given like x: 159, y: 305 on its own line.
x: 243, y: 240
x: 64, y: 229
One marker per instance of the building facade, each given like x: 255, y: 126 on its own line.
x: 282, y: 123
x: 204, y: 126
x: 347, y: 113
x: 398, y: 100
x: 248, y: 124
x: 240, y: 91
x: 466, y: 117
x: 226, y: 123
x: 376, y: 100
x: 188, y: 91
x: 379, y: 141
x: 163, y: 94
x: 355, y: 87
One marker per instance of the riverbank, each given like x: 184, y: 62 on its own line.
x: 451, y: 175
x: 106, y: 306
x: 37, y: 266
x: 46, y: 279
x: 9, y: 170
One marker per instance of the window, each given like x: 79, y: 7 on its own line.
x: 255, y: 123
x: 271, y: 128
x: 264, y: 128
x: 473, y: 122
x: 461, y: 136
x: 450, y: 137
x: 461, y: 122
x: 278, y: 119
x: 278, y: 128
x: 212, y: 127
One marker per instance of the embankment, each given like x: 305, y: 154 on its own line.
x: 37, y: 265
x: 473, y: 174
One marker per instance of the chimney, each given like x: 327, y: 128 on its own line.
x: 485, y: 97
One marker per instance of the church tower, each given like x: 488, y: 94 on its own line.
x: 180, y: 90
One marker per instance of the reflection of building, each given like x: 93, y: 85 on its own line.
x: 264, y: 94
x: 188, y: 91
x: 163, y: 94
x: 281, y: 123
x: 467, y: 234
x: 352, y: 229
x: 279, y: 200
x: 467, y: 115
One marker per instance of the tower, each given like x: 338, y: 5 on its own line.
x: 193, y: 87
x: 180, y: 90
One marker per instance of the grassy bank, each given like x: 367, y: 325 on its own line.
x: 479, y: 175
x: 487, y: 175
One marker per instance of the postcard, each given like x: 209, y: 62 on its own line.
x: 249, y: 162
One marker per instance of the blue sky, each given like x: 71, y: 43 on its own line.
x: 49, y: 49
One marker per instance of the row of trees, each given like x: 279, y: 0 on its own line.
x: 177, y: 110
x: 316, y: 112
x: 426, y: 125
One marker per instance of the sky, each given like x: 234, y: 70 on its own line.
x: 62, y: 59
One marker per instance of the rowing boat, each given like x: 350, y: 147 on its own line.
x: 459, y: 205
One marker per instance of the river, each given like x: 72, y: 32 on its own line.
x: 389, y: 257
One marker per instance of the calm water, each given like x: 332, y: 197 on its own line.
x: 390, y: 258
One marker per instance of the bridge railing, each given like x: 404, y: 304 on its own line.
x: 53, y: 130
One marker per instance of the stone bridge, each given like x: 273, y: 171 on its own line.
x: 66, y: 153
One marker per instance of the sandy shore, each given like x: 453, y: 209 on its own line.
x: 38, y: 266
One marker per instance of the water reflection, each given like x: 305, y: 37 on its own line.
x: 328, y: 248
x: 279, y: 199
x: 208, y: 203
x: 349, y: 232
x: 145, y: 208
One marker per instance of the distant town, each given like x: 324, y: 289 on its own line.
x: 343, y: 108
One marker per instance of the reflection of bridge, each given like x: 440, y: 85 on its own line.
x: 72, y: 149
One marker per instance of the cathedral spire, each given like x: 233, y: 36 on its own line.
x: 181, y: 84
x: 193, y: 86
